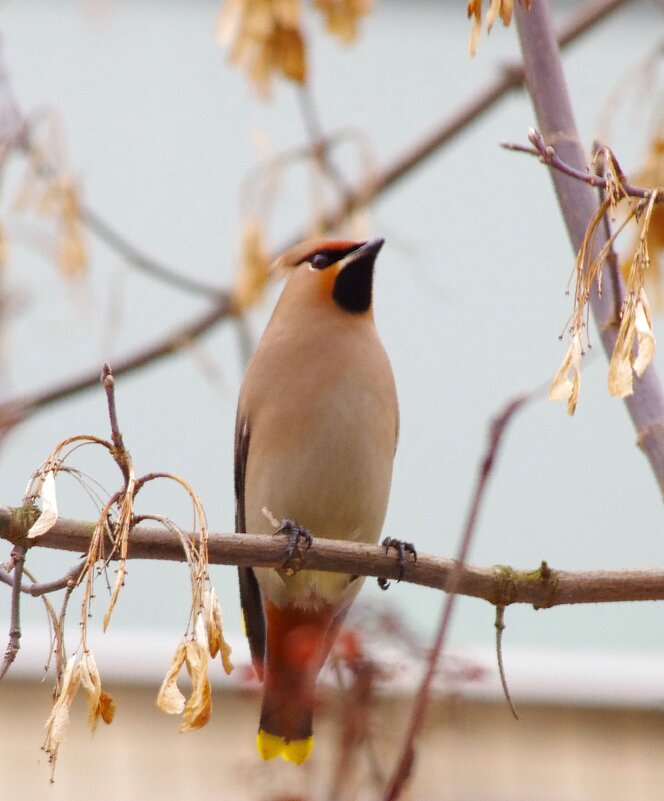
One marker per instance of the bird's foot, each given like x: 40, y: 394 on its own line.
x: 296, y: 535
x: 402, y: 548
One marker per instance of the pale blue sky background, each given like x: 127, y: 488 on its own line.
x: 469, y: 292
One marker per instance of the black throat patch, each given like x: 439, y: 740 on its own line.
x: 354, y: 285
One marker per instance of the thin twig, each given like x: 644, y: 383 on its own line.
x: 319, y: 144
x: 7, y: 578
x: 547, y: 155
x: 37, y: 589
x: 18, y: 558
x: 120, y: 454
x: 500, y: 628
x: 147, y: 264
x: 405, y: 764
x: 108, y: 383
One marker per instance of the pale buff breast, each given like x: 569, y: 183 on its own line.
x: 323, y: 422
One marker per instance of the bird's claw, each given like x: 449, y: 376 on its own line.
x: 402, y: 548
x: 296, y: 534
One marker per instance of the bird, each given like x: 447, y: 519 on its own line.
x: 316, y: 433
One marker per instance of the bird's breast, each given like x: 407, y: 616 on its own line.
x: 324, y: 461
x: 323, y: 418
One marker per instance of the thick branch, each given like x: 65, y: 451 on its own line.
x: 500, y: 585
x: 578, y: 204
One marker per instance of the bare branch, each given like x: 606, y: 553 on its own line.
x: 19, y: 409
x: 121, y: 245
x: 405, y: 764
x: 37, y: 589
x: 108, y: 383
x: 119, y: 452
x: 68, y: 581
x: 18, y: 558
x: 500, y: 628
x: 509, y: 78
x: 579, y: 206
x: 547, y: 155
x: 499, y: 585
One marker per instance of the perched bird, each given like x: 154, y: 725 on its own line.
x: 316, y: 432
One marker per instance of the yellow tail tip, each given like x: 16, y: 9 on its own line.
x: 271, y: 745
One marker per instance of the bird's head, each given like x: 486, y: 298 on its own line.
x: 333, y: 271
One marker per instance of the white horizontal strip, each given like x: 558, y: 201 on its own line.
x: 563, y: 678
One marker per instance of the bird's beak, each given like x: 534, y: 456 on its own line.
x: 369, y: 248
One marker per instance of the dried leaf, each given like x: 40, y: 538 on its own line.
x: 215, y: 634
x: 49, y: 514
x: 106, y: 707
x: 58, y: 720
x: 620, y: 367
x: 198, y: 708
x: 635, y: 327
x: 288, y: 53
x: 170, y: 699
x: 342, y: 16
x: 562, y: 387
x: 91, y: 683
x: 645, y: 338
x: 651, y: 176
x: 265, y: 39
x: 474, y: 12
x: 499, y: 8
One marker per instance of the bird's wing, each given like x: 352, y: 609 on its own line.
x: 250, y: 594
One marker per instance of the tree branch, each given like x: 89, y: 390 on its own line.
x: 510, y: 77
x: 20, y: 408
x: 547, y: 155
x: 121, y: 245
x: 39, y: 588
x: 405, y: 762
x: 18, y: 559
x: 578, y: 204
x: 502, y: 585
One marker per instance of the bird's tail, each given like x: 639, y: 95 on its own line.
x: 298, y: 642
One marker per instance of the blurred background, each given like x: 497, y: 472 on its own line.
x: 170, y: 146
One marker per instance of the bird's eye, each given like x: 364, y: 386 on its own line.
x: 320, y: 261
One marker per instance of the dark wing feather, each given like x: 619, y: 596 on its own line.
x: 250, y: 594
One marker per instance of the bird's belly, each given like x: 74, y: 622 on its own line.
x: 335, y: 485
x: 334, y: 481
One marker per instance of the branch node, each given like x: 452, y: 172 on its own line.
x: 21, y: 520
x: 547, y: 577
x: 505, y: 578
